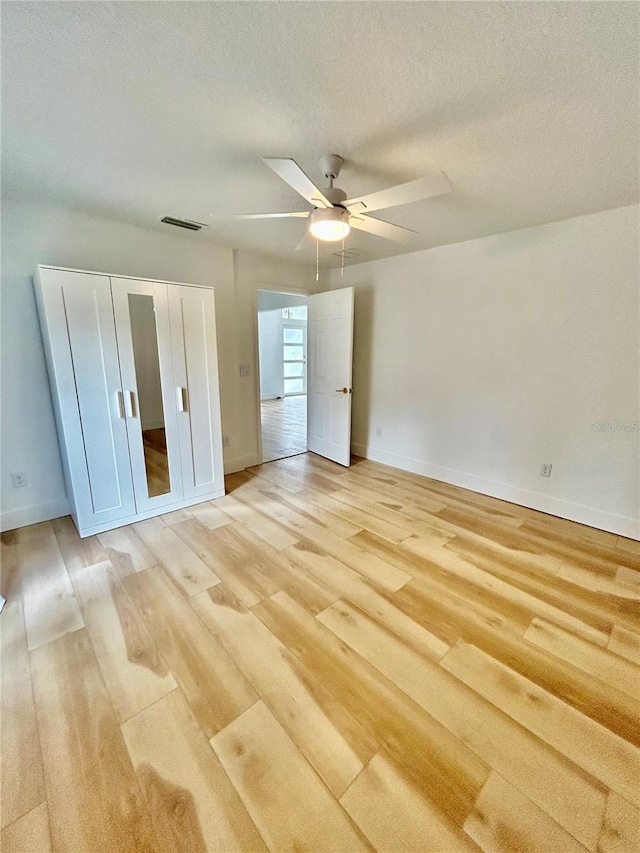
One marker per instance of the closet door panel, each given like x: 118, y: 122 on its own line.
x: 193, y: 330
x: 144, y: 345
x: 81, y: 321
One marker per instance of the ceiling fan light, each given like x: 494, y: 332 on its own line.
x: 330, y: 225
x: 330, y: 231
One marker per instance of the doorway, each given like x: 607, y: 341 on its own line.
x: 282, y: 342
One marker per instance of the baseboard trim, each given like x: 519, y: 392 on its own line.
x: 232, y: 466
x: 12, y: 519
x: 26, y: 515
x: 619, y: 524
x: 150, y: 513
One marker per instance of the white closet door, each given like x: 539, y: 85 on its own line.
x: 84, y: 358
x: 144, y: 345
x: 195, y: 356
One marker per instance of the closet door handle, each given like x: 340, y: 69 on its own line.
x: 120, y: 401
x: 132, y: 404
x: 182, y: 399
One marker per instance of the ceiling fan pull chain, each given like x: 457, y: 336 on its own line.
x: 317, y: 259
x: 342, y: 269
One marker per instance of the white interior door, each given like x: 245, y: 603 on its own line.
x: 146, y: 365
x: 330, y: 351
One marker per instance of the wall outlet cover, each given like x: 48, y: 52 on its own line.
x: 545, y: 469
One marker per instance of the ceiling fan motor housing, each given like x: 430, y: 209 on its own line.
x: 334, y: 195
x: 331, y: 165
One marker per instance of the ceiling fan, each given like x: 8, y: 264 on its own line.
x: 334, y: 214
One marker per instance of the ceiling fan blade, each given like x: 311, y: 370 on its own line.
x: 380, y: 228
x: 302, y: 213
x: 428, y: 187
x: 290, y: 172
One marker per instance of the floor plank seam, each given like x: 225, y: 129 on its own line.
x: 443, y: 669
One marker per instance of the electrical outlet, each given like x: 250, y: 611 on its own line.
x: 545, y: 470
x: 245, y: 369
x: 226, y: 440
x: 19, y: 480
x: 378, y: 432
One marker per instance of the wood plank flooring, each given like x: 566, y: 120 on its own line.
x: 156, y: 461
x: 284, y: 427
x: 325, y: 659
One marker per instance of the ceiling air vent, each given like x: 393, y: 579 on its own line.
x: 183, y: 223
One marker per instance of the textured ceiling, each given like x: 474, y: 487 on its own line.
x: 135, y: 110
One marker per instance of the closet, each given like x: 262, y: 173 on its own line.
x: 134, y: 380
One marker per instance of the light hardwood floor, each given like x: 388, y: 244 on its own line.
x: 156, y: 461
x: 284, y: 427
x: 322, y: 660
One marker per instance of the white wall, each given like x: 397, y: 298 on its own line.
x: 270, y: 337
x: 33, y: 235
x: 479, y: 361
x: 270, y: 300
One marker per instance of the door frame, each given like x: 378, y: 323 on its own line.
x: 290, y: 291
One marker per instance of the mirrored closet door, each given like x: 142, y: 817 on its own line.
x: 150, y: 392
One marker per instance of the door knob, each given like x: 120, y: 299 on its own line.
x: 343, y: 390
